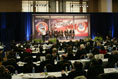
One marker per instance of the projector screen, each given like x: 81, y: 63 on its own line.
x: 80, y: 23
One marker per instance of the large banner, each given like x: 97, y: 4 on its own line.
x: 80, y: 24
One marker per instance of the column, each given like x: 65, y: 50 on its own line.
x: 62, y: 5
x: 105, y: 5
x: 92, y: 5
x: 52, y: 4
x: 10, y: 5
x: 115, y: 5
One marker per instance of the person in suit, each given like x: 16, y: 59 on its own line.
x: 81, y: 52
x: 73, y: 34
x: 95, y: 69
x: 70, y: 53
x: 77, y: 71
x: 113, y: 58
x: 48, y: 62
x: 27, y: 68
x: 43, y: 34
x: 63, y: 63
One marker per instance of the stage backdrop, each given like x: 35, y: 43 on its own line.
x: 80, y: 23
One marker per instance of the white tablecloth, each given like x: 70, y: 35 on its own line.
x: 57, y: 74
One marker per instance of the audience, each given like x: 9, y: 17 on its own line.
x: 60, y: 62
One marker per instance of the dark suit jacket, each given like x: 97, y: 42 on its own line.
x: 61, y: 65
x: 75, y: 73
x: 94, y: 71
x: 47, y: 62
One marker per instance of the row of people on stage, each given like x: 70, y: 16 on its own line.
x: 68, y: 34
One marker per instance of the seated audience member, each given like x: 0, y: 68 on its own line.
x: 63, y: 63
x: 102, y: 50
x: 27, y: 68
x: 81, y: 52
x: 113, y: 58
x: 70, y: 54
x: 95, y: 51
x: 88, y: 47
x: 48, y: 63
x: 114, y: 50
x: 55, y: 54
x: 4, y: 73
x: 95, y: 69
x: 78, y: 71
x: 28, y: 50
x: 98, y: 45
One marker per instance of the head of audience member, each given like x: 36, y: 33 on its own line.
x: 88, y: 43
x: 54, y: 51
x: 90, y: 55
x: 48, y: 57
x: 114, y: 48
x: 78, y: 66
x: 82, y: 46
x: 100, y: 62
x: 69, y: 49
x: 115, y: 52
x: 94, y: 62
x: 98, y: 44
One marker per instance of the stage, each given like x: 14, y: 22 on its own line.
x: 64, y: 27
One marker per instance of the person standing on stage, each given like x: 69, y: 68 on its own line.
x: 61, y: 34
x: 73, y: 34
x: 50, y: 34
x: 43, y: 34
x: 66, y: 35
x: 70, y: 34
x: 55, y: 34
